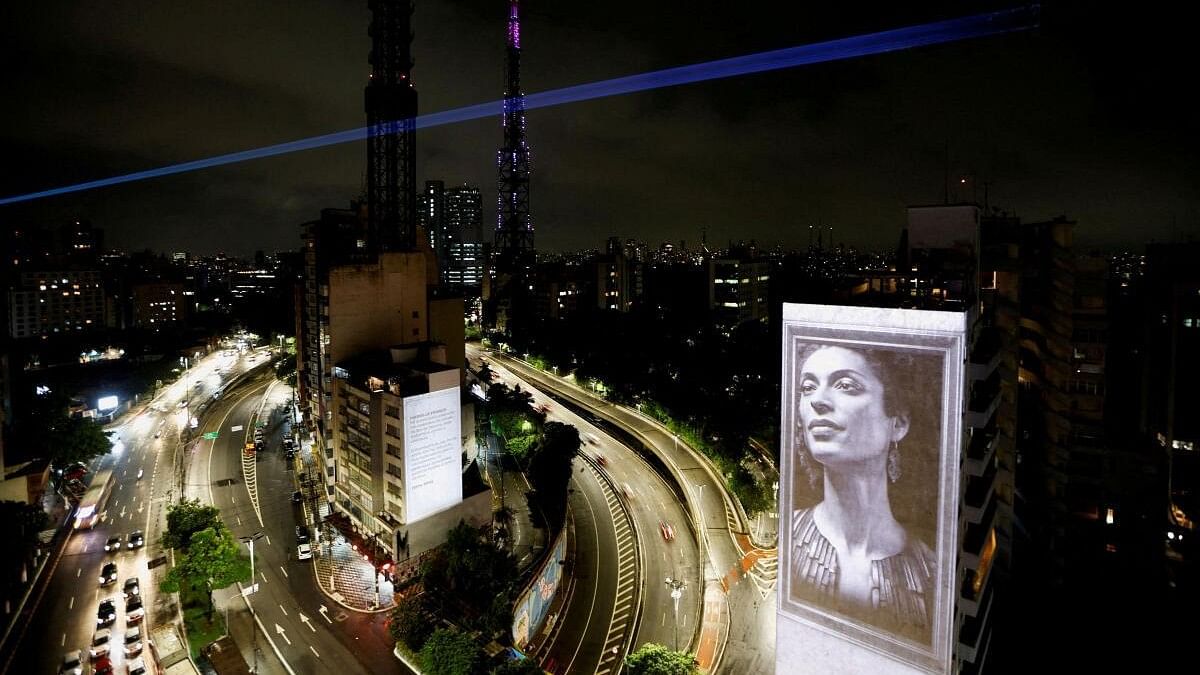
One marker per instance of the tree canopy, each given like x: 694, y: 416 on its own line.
x: 655, y: 659
x: 186, y: 519
x: 469, y: 572
x: 212, y: 560
x: 410, y: 622
x: 449, y: 652
x: 519, y: 667
x: 53, y: 434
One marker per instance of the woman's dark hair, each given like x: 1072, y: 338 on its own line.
x: 912, y: 387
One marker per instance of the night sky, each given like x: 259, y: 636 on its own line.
x: 1085, y: 117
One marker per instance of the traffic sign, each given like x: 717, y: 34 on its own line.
x: 210, y: 435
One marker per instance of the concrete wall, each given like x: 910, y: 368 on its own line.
x: 374, y: 306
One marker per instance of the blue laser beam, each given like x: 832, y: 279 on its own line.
x: 951, y: 30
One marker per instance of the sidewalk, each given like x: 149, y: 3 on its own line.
x: 508, y: 489
x: 341, y: 573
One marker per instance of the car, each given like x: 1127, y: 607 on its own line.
x: 297, y: 497
x: 301, y: 534
x: 76, y: 474
x: 134, y: 611
x: 626, y: 491
x: 183, y: 403
x: 106, y: 613
x: 136, y: 539
x: 133, y: 641
x: 668, y: 532
x: 72, y: 663
x: 133, y: 587
x: 157, y: 433
x: 114, y: 544
x: 303, y: 552
x: 136, y: 667
x: 100, y: 643
x: 601, y: 460
x: 108, y: 574
x: 102, y: 666
x: 249, y: 449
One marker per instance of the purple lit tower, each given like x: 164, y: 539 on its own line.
x: 391, y: 103
x: 511, y: 297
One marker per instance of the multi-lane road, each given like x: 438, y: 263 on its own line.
x: 63, y: 616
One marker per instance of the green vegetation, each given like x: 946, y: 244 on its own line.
x: 51, y: 433
x: 469, y: 579
x: 202, y: 628
x: 550, y: 469
x: 411, y: 624
x: 186, y: 519
x: 519, y: 667
x: 211, y: 560
x: 655, y: 659
x: 448, y: 652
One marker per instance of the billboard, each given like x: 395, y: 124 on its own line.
x: 871, y: 433
x: 533, y: 605
x: 432, y: 453
x: 106, y: 403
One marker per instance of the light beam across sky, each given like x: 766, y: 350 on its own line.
x: 951, y: 30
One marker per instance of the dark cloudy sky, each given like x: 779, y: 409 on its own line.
x: 1086, y: 117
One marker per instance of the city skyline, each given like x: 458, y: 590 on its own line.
x: 845, y: 144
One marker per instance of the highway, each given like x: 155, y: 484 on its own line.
x: 64, y: 613
x: 746, y: 642
x: 611, y: 476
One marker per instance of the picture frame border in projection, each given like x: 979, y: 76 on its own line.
x: 903, y: 330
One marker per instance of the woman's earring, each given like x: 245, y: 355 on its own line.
x: 893, y: 462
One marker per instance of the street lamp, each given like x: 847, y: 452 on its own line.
x: 249, y: 541
x: 676, y: 586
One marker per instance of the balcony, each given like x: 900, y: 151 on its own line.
x: 978, y: 494
x: 984, y: 399
x: 976, y: 537
x: 985, y: 355
x: 975, y: 632
x: 980, y: 451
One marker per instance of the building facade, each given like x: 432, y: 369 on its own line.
x: 54, y: 302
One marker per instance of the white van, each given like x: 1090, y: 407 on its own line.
x: 304, y: 552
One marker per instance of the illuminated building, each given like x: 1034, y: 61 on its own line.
x: 55, y: 302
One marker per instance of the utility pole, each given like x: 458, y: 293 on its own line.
x: 249, y: 541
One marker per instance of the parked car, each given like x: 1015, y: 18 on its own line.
x: 102, y: 666
x: 72, y: 663
x: 106, y: 613
x: 303, y: 552
x: 100, y: 644
x: 301, y: 534
x: 133, y: 641
x: 136, y: 539
x: 114, y: 544
x: 297, y: 497
x: 108, y: 574
x: 136, y: 667
x: 134, y: 611
x: 668, y: 532
x: 133, y: 587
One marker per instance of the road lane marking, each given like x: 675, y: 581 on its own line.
x: 283, y: 570
x: 63, y: 641
x: 71, y: 604
x: 77, y: 572
x: 283, y: 610
x: 268, y: 540
x: 314, y: 649
x: 264, y: 576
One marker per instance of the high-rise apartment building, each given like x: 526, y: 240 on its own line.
x: 737, y: 290
x: 54, y: 302
x: 159, y: 304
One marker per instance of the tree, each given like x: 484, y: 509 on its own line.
x: 186, y: 519
x: 51, y: 433
x: 550, y: 469
x: 469, y: 572
x: 212, y: 560
x: 410, y: 623
x: 655, y: 659
x: 519, y: 667
x: 449, y: 652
